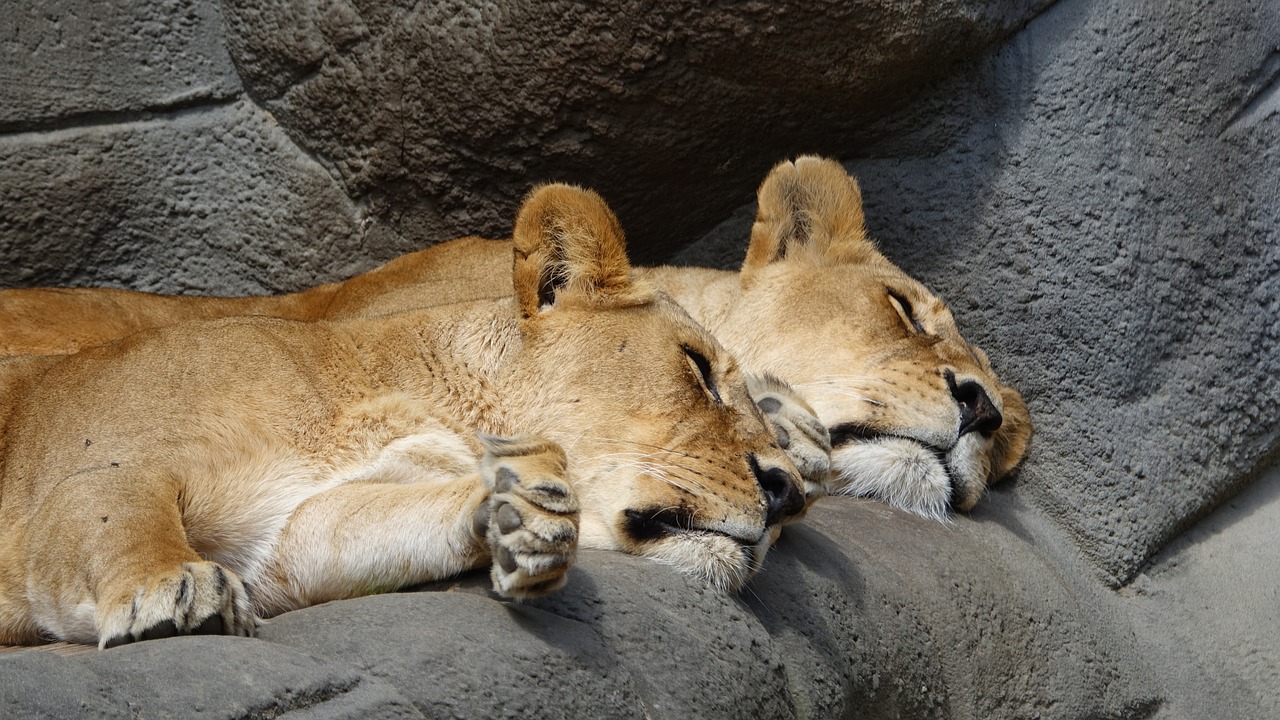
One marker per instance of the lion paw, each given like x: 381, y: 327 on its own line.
x: 804, y: 438
x: 196, y: 598
x: 532, y: 523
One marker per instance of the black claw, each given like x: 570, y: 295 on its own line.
x: 117, y: 641
x: 183, y: 598
x: 212, y: 625
x: 552, y: 491
x: 165, y: 629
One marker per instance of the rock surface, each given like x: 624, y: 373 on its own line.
x: 73, y: 63
x: 412, y: 125
x: 208, y: 200
x: 858, y: 614
x: 437, y: 117
x: 1096, y: 197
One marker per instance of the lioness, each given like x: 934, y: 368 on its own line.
x: 145, y: 485
x: 918, y: 417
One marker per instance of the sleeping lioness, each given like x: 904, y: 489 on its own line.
x: 918, y: 417
x: 147, y: 484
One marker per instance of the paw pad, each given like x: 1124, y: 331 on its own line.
x: 798, y: 430
x: 532, y: 520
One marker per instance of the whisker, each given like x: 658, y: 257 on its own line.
x: 648, y: 463
x: 747, y: 587
x: 850, y: 388
x: 661, y: 474
x: 648, y: 445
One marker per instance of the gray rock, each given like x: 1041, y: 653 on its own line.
x: 861, y: 612
x: 192, y: 677
x: 75, y: 63
x: 439, y: 116
x: 1208, y: 605
x: 213, y: 199
x: 1096, y: 199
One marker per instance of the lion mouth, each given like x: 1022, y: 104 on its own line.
x: 725, y: 560
x: 848, y: 433
x: 651, y: 525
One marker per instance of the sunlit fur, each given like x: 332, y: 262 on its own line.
x: 145, y: 480
x: 811, y: 305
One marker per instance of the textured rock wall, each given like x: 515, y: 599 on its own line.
x: 130, y: 156
x: 142, y: 148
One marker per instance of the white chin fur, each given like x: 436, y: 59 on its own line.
x: 715, y: 559
x: 900, y: 472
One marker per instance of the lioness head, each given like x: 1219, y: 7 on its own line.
x: 917, y: 416
x: 671, y: 458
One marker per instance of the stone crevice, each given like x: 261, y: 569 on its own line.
x: 194, y: 102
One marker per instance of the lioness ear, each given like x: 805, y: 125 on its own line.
x: 569, y: 249
x: 810, y: 209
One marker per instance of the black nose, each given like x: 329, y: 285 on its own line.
x: 781, y: 491
x: 976, y: 410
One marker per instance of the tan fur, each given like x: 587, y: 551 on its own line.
x: 810, y: 305
x: 184, y: 479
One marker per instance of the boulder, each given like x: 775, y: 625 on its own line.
x: 209, y: 200
x: 861, y: 612
x: 74, y: 64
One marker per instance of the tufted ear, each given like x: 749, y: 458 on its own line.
x: 569, y: 249
x: 809, y: 210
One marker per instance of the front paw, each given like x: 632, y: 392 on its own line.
x: 804, y: 438
x: 195, y: 598
x: 533, y: 515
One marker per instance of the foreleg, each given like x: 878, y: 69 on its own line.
x: 107, y: 561
x: 367, y: 537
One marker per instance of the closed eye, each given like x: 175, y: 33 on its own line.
x: 905, y: 311
x: 702, y: 369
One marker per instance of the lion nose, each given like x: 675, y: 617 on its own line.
x: 781, y: 491
x: 976, y: 409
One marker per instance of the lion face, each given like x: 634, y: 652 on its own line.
x: 917, y: 416
x: 670, y: 456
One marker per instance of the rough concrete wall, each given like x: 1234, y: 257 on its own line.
x: 1099, y: 202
